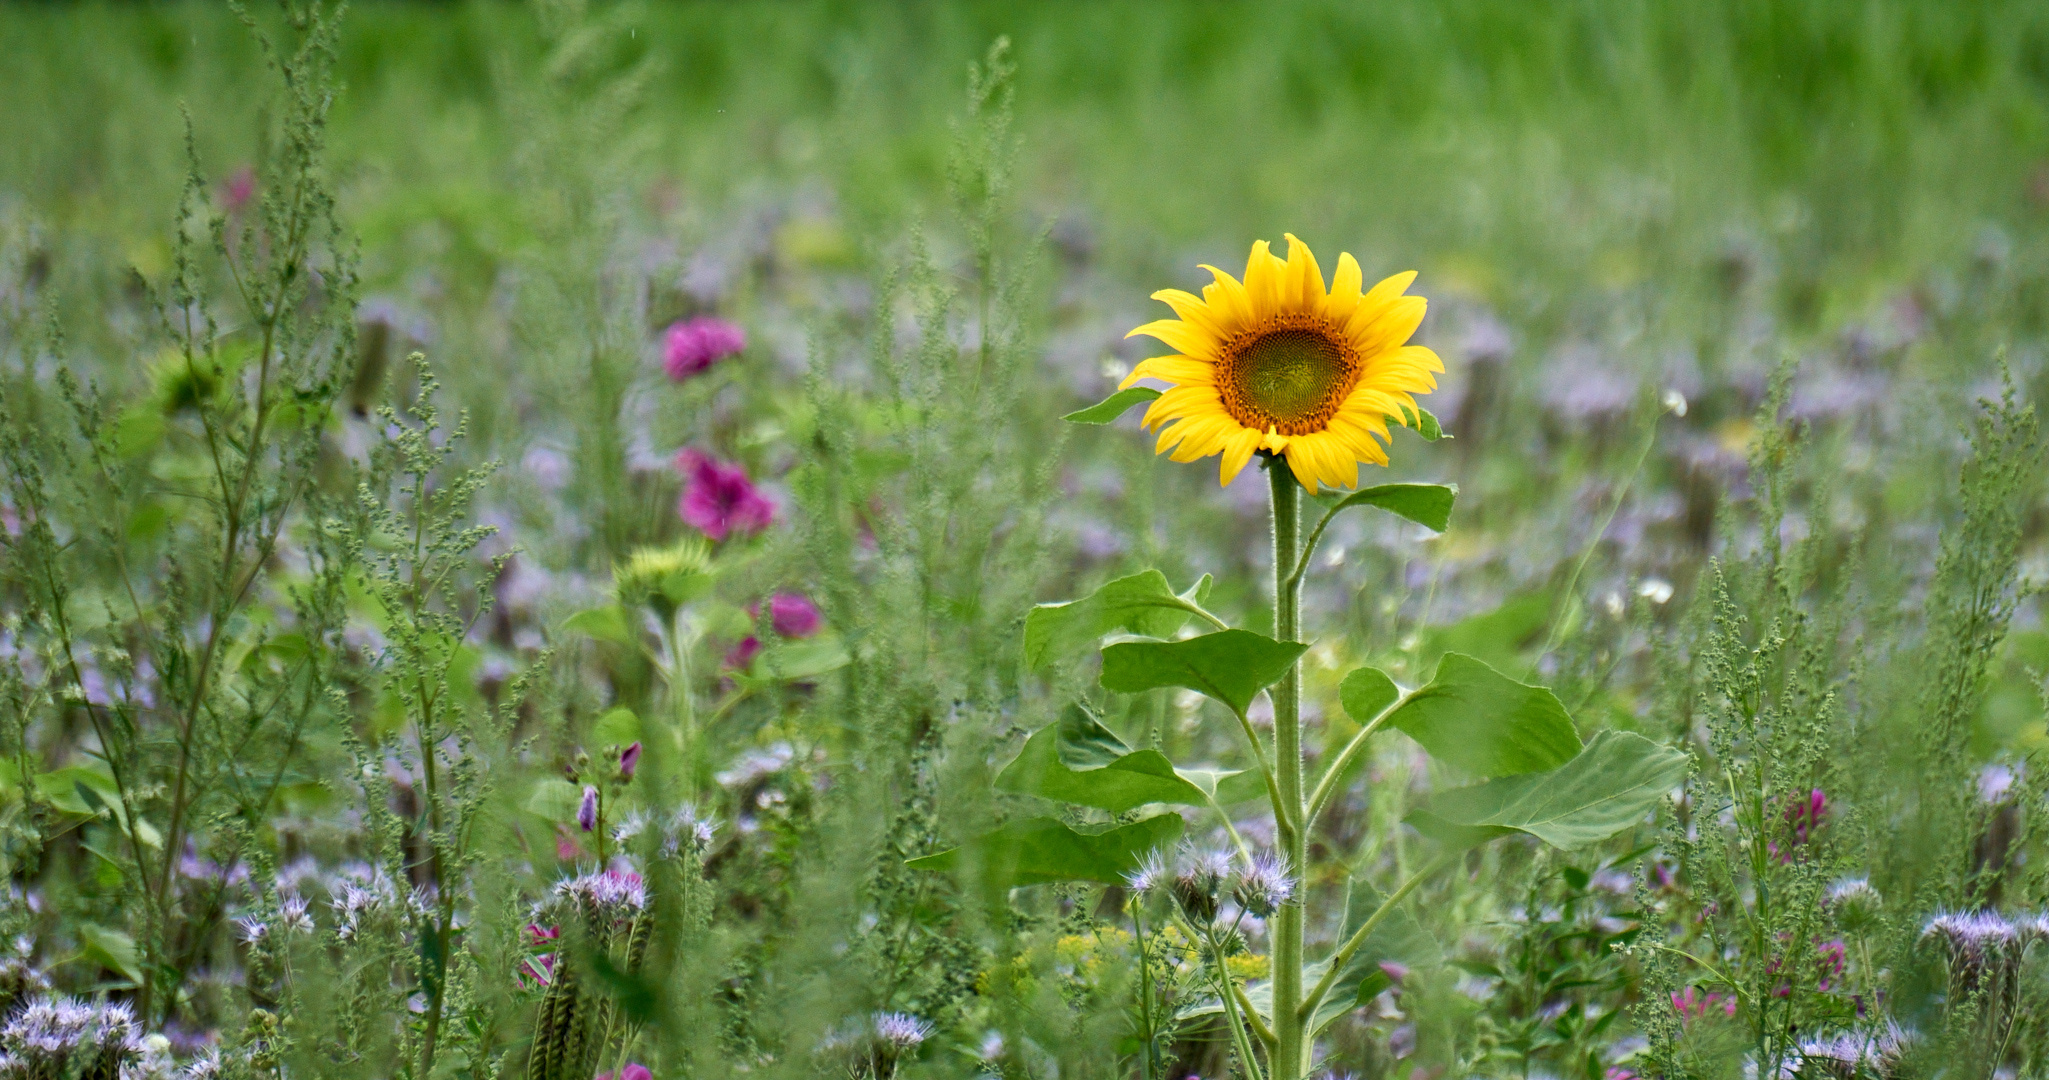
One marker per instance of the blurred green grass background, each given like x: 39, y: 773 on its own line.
x: 1525, y: 152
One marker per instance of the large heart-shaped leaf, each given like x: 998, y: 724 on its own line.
x: 1036, y: 851
x: 1428, y: 505
x: 1610, y: 786
x: 1365, y: 692
x: 1487, y: 723
x: 1231, y: 666
x: 1112, y: 407
x: 1080, y: 761
x: 1141, y: 604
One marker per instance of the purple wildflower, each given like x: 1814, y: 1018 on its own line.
x: 587, y: 813
x: 692, y: 346
x: 718, y: 499
x: 629, y: 760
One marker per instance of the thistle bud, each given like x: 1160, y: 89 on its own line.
x: 587, y: 813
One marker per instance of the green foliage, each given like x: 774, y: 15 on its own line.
x: 1608, y: 787
x: 1480, y: 720
x: 1230, y: 666
x: 1142, y: 603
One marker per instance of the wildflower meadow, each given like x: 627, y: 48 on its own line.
x: 1087, y: 541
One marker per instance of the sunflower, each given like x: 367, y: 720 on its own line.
x: 1278, y: 363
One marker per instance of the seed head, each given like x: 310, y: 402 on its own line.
x: 1265, y: 885
x: 1150, y: 874
x: 901, y: 1031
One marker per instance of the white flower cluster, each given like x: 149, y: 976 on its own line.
x: 51, y: 1033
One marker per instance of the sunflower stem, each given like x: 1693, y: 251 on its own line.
x: 1287, y: 1062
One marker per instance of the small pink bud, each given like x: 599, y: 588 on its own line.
x: 793, y: 615
x: 1395, y: 970
x: 587, y: 814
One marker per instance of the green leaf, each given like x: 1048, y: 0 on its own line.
x: 1422, y: 422
x: 1365, y: 693
x: 791, y: 661
x: 1036, y: 851
x: 1141, y: 604
x: 111, y: 949
x: 1399, y: 938
x: 1112, y: 407
x: 1487, y: 723
x: 1428, y: 505
x: 1610, y: 786
x: 1080, y: 761
x: 608, y: 623
x: 555, y: 799
x: 1231, y: 666
x: 617, y: 727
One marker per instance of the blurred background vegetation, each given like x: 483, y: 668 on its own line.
x: 1609, y: 203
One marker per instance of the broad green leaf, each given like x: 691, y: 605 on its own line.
x: 1080, y: 761
x: 1141, y: 604
x: 1398, y: 939
x: 1422, y: 422
x: 1366, y: 692
x: 1428, y: 505
x: 616, y: 727
x: 1610, y: 786
x: 111, y: 949
x: 555, y: 799
x: 80, y: 789
x: 1112, y: 407
x: 1231, y: 666
x: 1487, y: 723
x: 1036, y: 851
x: 1229, y: 786
x: 789, y: 661
x: 608, y: 623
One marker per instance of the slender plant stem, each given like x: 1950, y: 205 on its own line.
x: 1289, y: 1050
x: 1327, y: 787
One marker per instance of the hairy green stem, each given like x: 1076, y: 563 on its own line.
x: 1327, y: 787
x: 1290, y: 1051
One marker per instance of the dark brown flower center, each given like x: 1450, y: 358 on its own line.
x: 1290, y: 378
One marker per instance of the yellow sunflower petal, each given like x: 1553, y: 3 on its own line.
x: 1182, y: 337
x: 1206, y: 437
x: 1183, y: 401
x: 1302, y: 285
x: 1377, y: 331
x: 1263, y: 274
x: 1227, y: 300
x: 1344, y: 290
x: 1193, y: 310
x: 1388, y: 288
x: 1179, y: 370
x: 1238, y: 448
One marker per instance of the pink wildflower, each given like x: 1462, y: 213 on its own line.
x: 718, y: 499
x: 690, y: 347
x: 793, y: 615
x: 239, y: 189
x: 587, y: 811
x: 634, y: 1070
x: 1691, y: 1004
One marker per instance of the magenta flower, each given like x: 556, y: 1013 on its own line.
x: 629, y: 760
x: 587, y: 813
x: 793, y: 615
x: 718, y: 499
x: 634, y: 1070
x: 1691, y: 1004
x: 742, y: 655
x: 239, y: 189
x: 1805, y: 815
x: 690, y: 347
